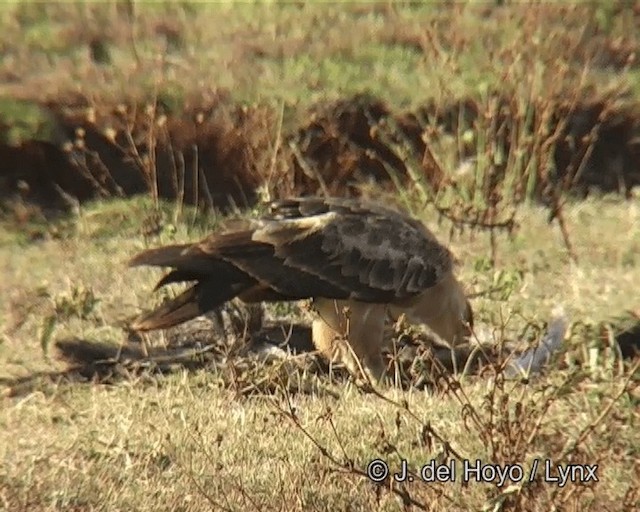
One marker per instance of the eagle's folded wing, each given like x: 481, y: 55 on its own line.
x: 330, y: 248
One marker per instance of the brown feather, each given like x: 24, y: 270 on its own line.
x: 173, y: 312
x: 336, y: 251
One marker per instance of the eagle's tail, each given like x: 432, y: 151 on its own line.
x: 173, y: 312
x: 216, y: 281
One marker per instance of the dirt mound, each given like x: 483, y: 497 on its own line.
x: 338, y: 150
x: 217, y: 154
x: 598, y: 147
x: 210, y: 156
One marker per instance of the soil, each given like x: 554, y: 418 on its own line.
x: 217, y: 154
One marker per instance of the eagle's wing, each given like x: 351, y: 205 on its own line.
x: 370, y: 253
x: 309, y: 247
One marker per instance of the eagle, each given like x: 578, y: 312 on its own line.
x: 359, y: 262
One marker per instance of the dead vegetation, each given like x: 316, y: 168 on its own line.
x: 537, y: 103
x: 219, y: 155
x: 487, y: 121
x: 205, y: 406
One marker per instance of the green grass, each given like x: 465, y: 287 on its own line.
x: 23, y: 120
x: 403, y: 53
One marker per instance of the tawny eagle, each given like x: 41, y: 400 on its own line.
x: 357, y: 261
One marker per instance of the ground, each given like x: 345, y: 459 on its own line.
x: 233, y: 432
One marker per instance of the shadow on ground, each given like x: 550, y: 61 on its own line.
x: 276, y: 356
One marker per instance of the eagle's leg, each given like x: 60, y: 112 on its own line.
x: 352, y: 333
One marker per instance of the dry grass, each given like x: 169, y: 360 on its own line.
x: 551, y: 91
x: 186, y: 445
x: 184, y: 442
x: 404, y: 53
x: 194, y: 439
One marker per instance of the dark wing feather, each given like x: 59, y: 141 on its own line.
x: 375, y: 253
x: 311, y: 247
x: 259, y: 259
x: 217, y: 281
x: 200, y: 298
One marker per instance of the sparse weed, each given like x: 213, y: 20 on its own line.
x: 486, y: 121
x: 79, y: 303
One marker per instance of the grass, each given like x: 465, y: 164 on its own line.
x: 184, y: 442
x: 198, y: 440
x: 402, y: 53
x: 182, y: 445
